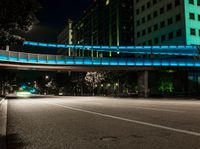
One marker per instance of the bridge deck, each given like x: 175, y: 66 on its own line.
x: 37, y: 61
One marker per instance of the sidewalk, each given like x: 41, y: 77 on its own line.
x: 3, y: 122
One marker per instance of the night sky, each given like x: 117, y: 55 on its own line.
x: 53, y: 16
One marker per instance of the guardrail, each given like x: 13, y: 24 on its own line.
x: 143, y: 50
x: 10, y: 56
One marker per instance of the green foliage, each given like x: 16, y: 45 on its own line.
x: 166, y: 84
x: 16, y: 15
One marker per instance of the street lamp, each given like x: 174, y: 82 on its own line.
x: 46, y: 77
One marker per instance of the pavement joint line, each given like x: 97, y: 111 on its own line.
x: 159, y: 109
x: 132, y: 121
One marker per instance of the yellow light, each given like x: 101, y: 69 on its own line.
x: 107, y: 2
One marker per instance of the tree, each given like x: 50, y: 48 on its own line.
x: 16, y: 15
x: 166, y: 84
x: 94, y: 78
x: 7, y: 82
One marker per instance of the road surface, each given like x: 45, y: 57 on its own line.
x: 102, y: 123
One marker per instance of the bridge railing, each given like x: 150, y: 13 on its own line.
x: 143, y: 50
x: 20, y: 57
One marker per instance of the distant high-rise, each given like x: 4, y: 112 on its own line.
x: 65, y: 37
x: 106, y: 22
x: 167, y: 22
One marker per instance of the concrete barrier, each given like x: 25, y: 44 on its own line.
x: 3, y: 122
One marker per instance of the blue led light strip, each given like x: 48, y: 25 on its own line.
x: 156, y: 50
x: 19, y: 57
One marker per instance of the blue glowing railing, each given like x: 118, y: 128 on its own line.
x: 19, y: 57
x: 156, y: 50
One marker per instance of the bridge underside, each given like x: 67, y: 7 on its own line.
x: 83, y: 68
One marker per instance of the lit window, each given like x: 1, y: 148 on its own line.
x: 107, y: 2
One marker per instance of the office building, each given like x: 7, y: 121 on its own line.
x: 167, y: 22
x: 65, y: 37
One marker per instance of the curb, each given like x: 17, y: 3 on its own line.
x: 3, y: 123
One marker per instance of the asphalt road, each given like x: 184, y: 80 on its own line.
x: 102, y: 123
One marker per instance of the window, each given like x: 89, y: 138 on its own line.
x: 137, y: 11
x: 177, y: 3
x: 162, y: 24
x: 163, y: 38
x: 143, y: 7
x: 169, y: 7
x: 199, y: 17
x: 179, y: 33
x: 149, y: 17
x: 148, y: 4
x: 198, y: 2
x: 170, y: 21
x: 162, y: 10
x: 150, y: 42
x: 199, y: 32
x: 138, y: 34
x: 178, y: 17
x: 143, y: 20
x: 154, y: 2
x: 149, y: 30
x: 191, y: 1
x: 156, y: 40
x: 192, y: 16
x: 107, y: 2
x: 192, y: 31
x: 155, y: 27
x: 144, y: 32
x: 155, y: 14
x: 170, y: 35
x: 138, y: 22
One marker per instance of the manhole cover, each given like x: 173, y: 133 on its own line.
x: 108, y: 138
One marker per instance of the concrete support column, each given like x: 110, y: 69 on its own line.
x: 7, y: 48
x: 143, y: 84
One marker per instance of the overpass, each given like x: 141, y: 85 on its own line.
x: 141, y: 50
x: 184, y: 60
x: 30, y: 61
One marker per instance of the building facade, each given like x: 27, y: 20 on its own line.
x: 167, y: 22
x: 135, y: 22
x: 66, y: 37
x: 106, y: 22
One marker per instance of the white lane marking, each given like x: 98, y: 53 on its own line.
x: 132, y: 121
x: 159, y: 109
